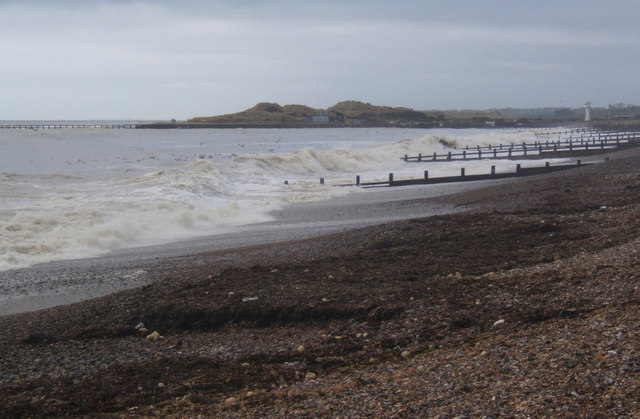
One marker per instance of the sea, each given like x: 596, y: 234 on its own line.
x: 70, y: 193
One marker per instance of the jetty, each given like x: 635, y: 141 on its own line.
x: 42, y: 126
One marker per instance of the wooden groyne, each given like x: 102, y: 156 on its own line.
x: 66, y: 126
x: 587, y: 142
x: 463, y: 177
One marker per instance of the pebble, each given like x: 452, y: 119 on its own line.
x: 246, y: 299
x: 310, y: 376
x: 405, y: 354
x: 230, y: 401
x: 301, y: 348
x: 154, y: 336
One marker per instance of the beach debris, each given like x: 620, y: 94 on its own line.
x: 310, y: 376
x: 405, y: 354
x: 498, y: 323
x: 161, y: 385
x: 154, y: 336
x: 245, y: 299
x: 301, y: 348
x: 140, y: 326
x: 230, y: 401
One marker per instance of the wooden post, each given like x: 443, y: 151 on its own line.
x: 493, y: 170
x: 518, y: 168
x: 462, y: 172
x: 358, y: 180
x: 546, y: 164
x: 406, y: 158
x: 419, y: 157
x: 426, y: 174
x: 579, y: 163
x: 322, y: 181
x: 434, y: 156
x: 464, y: 155
x: 390, y: 179
x: 495, y: 153
x: 449, y: 156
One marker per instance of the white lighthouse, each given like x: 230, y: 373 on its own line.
x: 587, y: 111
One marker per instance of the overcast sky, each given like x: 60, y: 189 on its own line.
x: 157, y: 60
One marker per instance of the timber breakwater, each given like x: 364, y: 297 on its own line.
x: 552, y: 145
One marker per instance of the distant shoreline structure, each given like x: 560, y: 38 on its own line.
x: 355, y: 114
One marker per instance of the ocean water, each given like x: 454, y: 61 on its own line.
x: 83, y: 192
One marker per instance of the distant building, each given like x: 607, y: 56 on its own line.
x: 320, y: 119
x: 587, y: 111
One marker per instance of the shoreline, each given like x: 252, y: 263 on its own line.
x: 71, y: 281
x: 523, y: 304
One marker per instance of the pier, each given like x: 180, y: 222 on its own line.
x: 65, y: 126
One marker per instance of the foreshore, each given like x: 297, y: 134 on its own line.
x: 521, y: 301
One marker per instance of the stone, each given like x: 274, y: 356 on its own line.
x: 154, y: 336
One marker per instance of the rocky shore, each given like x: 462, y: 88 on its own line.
x: 525, y: 304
